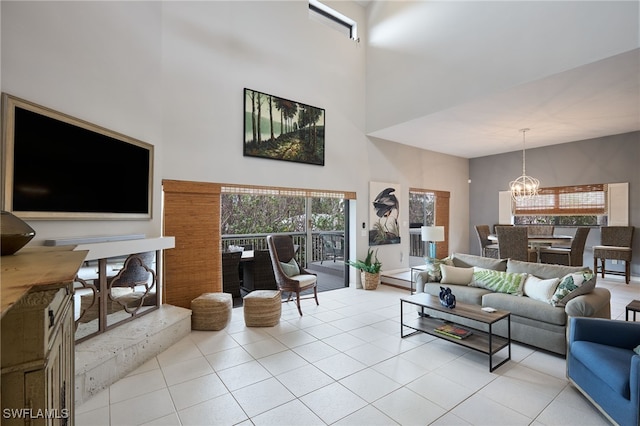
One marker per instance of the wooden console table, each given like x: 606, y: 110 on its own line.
x: 38, y: 335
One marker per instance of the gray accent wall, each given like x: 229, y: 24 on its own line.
x: 608, y: 159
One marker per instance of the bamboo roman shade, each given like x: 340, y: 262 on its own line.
x: 565, y: 201
x: 288, y: 192
x: 192, y: 216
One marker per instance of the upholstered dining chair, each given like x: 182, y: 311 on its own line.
x: 540, y: 230
x: 290, y: 276
x: 513, y: 243
x: 572, y: 256
x: 615, y: 243
x: 487, y: 248
x: 257, y: 274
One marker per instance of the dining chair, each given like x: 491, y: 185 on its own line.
x: 231, y: 272
x: 257, y: 273
x: 487, y: 248
x: 290, y: 276
x: 513, y: 243
x: 615, y: 243
x: 572, y: 256
x: 540, y: 230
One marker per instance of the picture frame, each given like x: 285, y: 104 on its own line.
x: 384, y: 213
x: 281, y: 129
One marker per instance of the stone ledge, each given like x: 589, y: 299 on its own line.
x: 106, y: 358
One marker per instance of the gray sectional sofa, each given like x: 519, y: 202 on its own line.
x: 533, y: 321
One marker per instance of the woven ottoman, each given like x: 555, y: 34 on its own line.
x: 262, y: 308
x: 211, y: 311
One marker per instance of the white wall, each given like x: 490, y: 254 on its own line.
x: 420, y: 52
x: 172, y: 74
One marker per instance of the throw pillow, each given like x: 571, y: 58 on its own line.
x: 637, y: 349
x: 498, y: 281
x: 290, y: 268
x: 538, y: 289
x: 572, y: 285
x: 455, y: 275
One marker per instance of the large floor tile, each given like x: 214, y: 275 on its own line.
x: 308, y: 371
x: 369, y: 384
x: 195, y: 391
x: 408, y: 408
x: 291, y: 412
x: 262, y: 396
x: 333, y: 402
x: 222, y: 410
x: 304, y: 380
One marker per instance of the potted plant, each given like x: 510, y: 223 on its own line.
x: 369, y: 270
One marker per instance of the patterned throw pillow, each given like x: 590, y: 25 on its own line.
x: 290, y: 268
x: 498, y: 281
x: 572, y: 285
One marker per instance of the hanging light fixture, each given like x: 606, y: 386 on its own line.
x: 525, y: 186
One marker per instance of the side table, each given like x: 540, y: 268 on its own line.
x: 633, y: 306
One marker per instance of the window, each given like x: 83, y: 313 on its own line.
x: 577, y: 205
x: 334, y: 19
x: 427, y: 207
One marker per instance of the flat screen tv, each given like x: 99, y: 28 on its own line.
x: 60, y: 167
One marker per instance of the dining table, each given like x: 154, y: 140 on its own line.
x: 538, y: 241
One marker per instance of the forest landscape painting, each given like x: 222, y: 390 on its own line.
x: 282, y: 129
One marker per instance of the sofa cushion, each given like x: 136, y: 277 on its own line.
x: 469, y: 260
x: 572, y: 285
x: 525, y: 307
x: 498, y: 281
x: 610, y: 364
x: 542, y: 270
x: 455, y: 275
x: 539, y: 289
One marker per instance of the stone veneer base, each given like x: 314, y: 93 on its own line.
x: 108, y: 357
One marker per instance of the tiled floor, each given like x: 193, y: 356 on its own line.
x: 343, y: 363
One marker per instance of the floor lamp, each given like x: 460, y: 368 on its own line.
x: 432, y: 234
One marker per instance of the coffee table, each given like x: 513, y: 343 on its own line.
x: 482, y: 338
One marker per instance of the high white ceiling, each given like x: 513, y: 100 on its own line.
x: 596, y: 99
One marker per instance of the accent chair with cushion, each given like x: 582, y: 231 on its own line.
x: 290, y: 276
x: 615, y: 243
x: 603, y: 362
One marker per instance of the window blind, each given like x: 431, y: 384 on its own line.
x: 565, y: 201
x: 288, y: 192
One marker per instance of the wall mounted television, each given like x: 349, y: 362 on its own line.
x: 59, y: 167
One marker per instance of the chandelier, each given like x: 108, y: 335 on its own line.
x: 524, y: 187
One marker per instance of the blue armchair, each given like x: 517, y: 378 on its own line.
x: 601, y: 363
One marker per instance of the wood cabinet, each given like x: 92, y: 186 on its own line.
x: 38, y: 336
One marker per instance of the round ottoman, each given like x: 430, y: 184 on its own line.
x: 262, y: 308
x: 211, y: 311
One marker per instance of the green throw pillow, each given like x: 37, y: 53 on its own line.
x: 637, y: 349
x: 290, y: 268
x: 498, y: 281
x: 572, y: 285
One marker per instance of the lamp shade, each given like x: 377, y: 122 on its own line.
x: 432, y: 233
